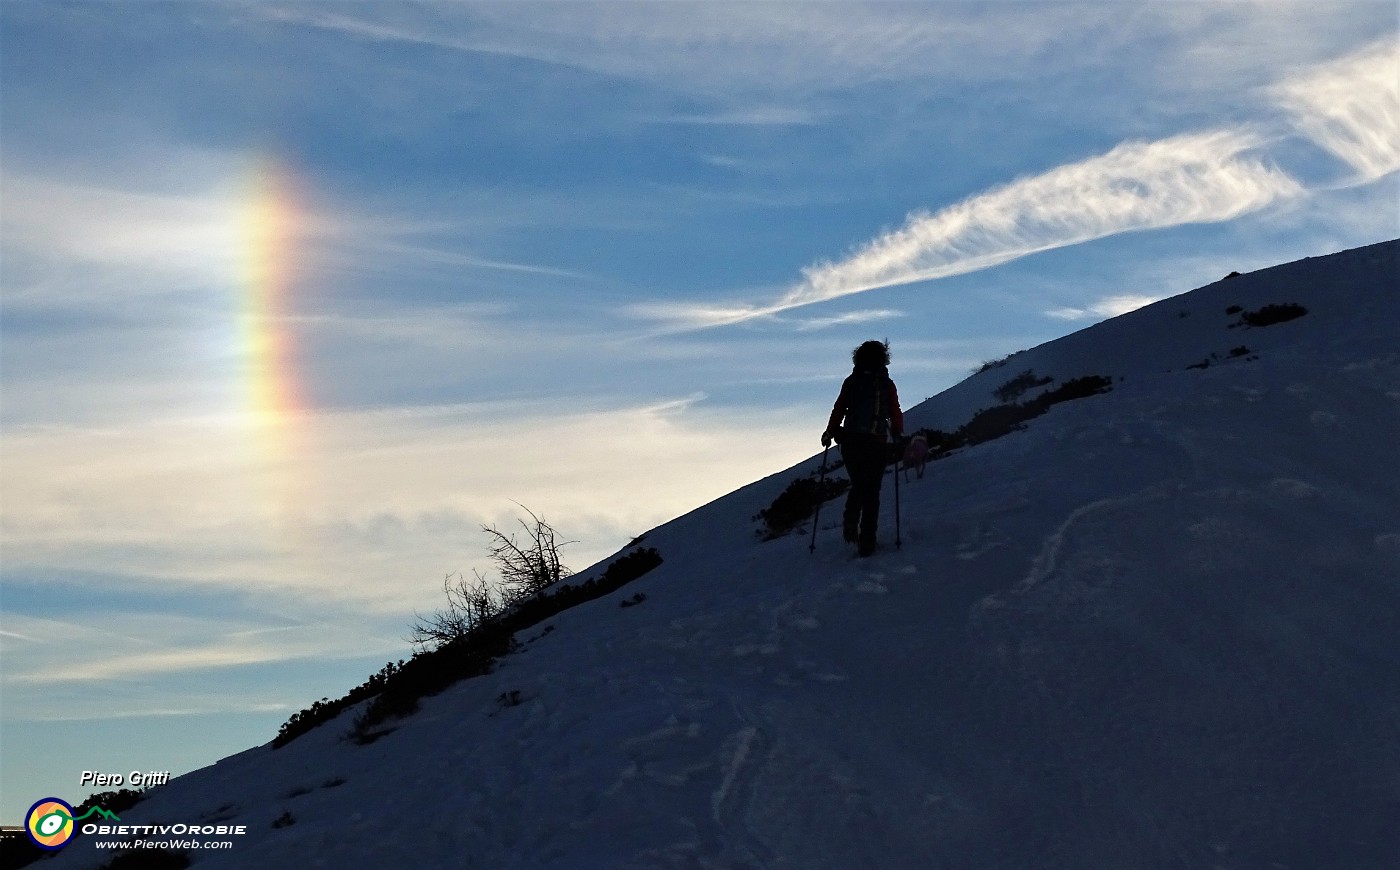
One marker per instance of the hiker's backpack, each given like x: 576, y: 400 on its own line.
x: 867, y: 402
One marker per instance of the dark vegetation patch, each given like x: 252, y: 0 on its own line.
x: 1019, y: 385
x: 475, y: 653
x: 994, y: 422
x: 1242, y: 351
x: 798, y: 502
x: 993, y: 364
x: 325, y: 709
x: 222, y: 814
x: 1270, y: 314
x: 428, y: 673
x: 396, y: 689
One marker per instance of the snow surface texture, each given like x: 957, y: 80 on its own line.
x: 1156, y: 628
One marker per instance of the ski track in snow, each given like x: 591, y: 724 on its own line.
x: 742, y: 741
x: 1050, y: 550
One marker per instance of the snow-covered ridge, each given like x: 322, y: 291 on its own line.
x: 1154, y: 628
x: 1177, y: 332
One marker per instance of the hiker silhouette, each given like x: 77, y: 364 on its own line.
x: 865, y: 415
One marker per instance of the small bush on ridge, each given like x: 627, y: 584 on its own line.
x: 325, y: 709
x: 476, y: 652
x: 1271, y: 314
x: 469, y: 604
x: 798, y: 502
x: 1017, y: 386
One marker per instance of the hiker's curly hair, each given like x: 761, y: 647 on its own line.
x: 872, y: 353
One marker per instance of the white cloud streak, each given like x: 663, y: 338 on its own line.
x: 99, y: 647
x: 1351, y: 108
x: 109, y: 225
x: 1194, y: 178
x: 758, y: 116
x: 853, y: 317
x: 1111, y: 306
x: 440, y: 257
x: 224, y: 652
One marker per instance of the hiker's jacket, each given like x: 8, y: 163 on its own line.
x: 868, y: 398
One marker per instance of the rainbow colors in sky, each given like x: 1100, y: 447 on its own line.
x: 271, y: 225
x: 275, y: 407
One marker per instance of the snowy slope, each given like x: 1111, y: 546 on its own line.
x: 1156, y: 628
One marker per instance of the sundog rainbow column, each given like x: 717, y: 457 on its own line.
x: 271, y: 225
x: 275, y: 404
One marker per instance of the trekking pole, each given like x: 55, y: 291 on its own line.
x: 816, y: 515
x: 898, y: 544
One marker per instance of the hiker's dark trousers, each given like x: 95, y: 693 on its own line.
x: 864, y: 456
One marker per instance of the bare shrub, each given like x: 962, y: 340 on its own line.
x: 470, y: 603
x: 531, y: 566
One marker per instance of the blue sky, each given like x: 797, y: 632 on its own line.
x: 604, y: 260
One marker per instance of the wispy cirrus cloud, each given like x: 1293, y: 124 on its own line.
x: 1111, y: 306
x: 743, y: 50
x: 706, y: 48
x: 220, y: 648
x: 1193, y: 178
x: 165, y: 235
x: 756, y: 116
x: 1351, y: 108
x: 119, y: 226
x: 869, y: 316
x: 437, y: 256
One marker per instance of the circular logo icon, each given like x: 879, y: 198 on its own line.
x: 49, y: 823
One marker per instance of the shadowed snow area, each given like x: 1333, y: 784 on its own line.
x: 1156, y: 627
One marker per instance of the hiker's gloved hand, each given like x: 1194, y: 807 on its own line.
x: 829, y: 436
